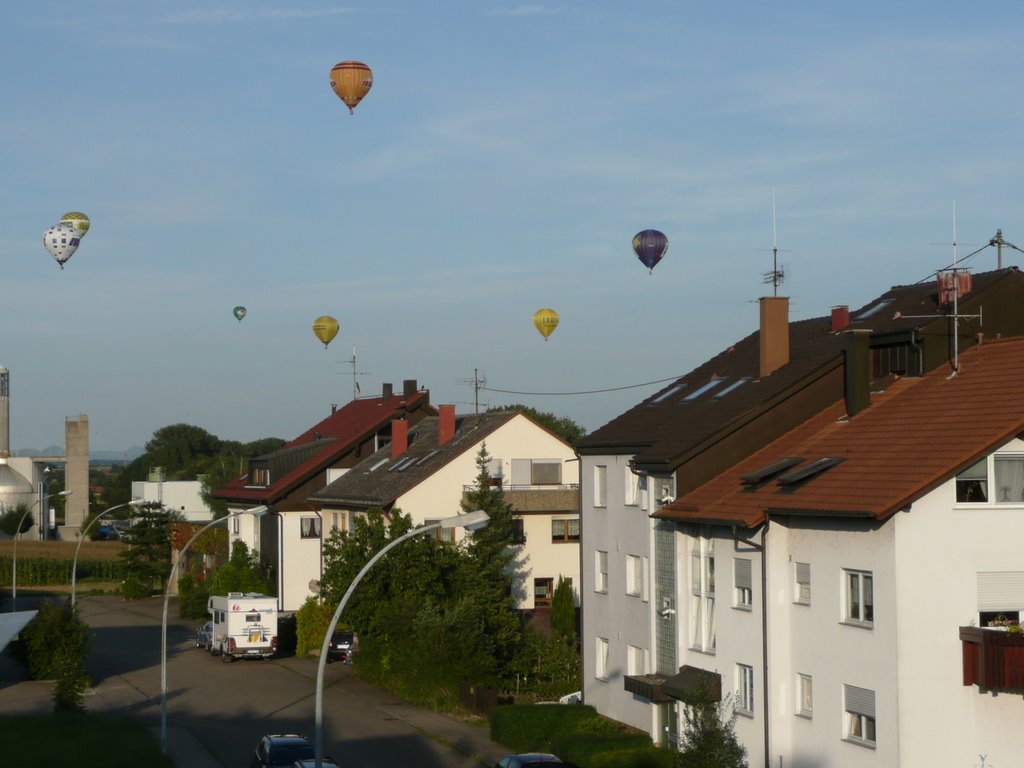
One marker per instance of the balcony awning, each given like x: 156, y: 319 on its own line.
x: 662, y: 689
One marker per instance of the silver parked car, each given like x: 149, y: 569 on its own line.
x: 204, y: 636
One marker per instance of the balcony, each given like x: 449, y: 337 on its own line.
x: 539, y: 498
x: 993, y: 659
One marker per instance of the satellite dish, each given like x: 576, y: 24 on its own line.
x: 314, y: 586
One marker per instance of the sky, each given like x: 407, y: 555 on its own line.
x: 502, y: 162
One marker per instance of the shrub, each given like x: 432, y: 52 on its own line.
x: 192, y: 597
x: 133, y: 588
x: 57, y: 643
x: 311, y: 622
x: 530, y: 727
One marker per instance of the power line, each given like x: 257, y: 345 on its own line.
x: 581, y: 392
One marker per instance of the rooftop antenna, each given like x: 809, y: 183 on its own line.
x: 478, y: 381
x: 776, y: 276
x: 355, y: 373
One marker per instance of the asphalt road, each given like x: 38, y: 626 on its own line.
x: 227, y: 707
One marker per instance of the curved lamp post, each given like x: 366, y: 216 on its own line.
x: 257, y: 511
x: 17, y: 535
x: 470, y: 521
x: 82, y: 534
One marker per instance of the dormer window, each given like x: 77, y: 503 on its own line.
x: 259, y: 476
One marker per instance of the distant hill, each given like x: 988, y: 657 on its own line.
x: 101, y: 456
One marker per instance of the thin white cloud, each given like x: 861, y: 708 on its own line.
x: 232, y: 15
x: 527, y: 9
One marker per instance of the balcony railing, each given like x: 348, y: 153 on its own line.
x: 539, y: 498
x: 993, y: 659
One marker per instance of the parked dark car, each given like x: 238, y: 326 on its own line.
x: 341, y: 647
x: 282, y: 750
x: 531, y: 760
x: 204, y: 636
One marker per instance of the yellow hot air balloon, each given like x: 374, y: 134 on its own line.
x: 546, y: 320
x: 351, y: 80
x: 78, y: 220
x: 325, y: 328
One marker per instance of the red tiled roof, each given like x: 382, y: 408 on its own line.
x: 324, y: 443
x: 914, y: 436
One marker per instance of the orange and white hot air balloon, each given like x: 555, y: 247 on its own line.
x: 351, y: 80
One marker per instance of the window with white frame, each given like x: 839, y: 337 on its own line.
x: 601, y: 658
x: 743, y: 591
x: 802, y: 583
x: 1009, y: 479
x: 859, y: 715
x: 636, y: 660
x: 634, y: 575
x: 702, y: 602
x: 859, y: 602
x: 999, y: 480
x: 632, y: 487
x: 600, y: 571
x: 744, y: 689
x: 664, y: 490
x: 309, y: 527
x: 443, y: 534
x: 642, y: 487
x: 1000, y: 598
x: 600, y: 485
x: 804, y: 696
x: 236, y: 524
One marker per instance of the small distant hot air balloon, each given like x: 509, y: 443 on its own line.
x: 78, y: 220
x: 325, y: 328
x: 650, y: 245
x: 545, y: 320
x: 239, y: 313
x: 61, y: 240
x: 351, y: 80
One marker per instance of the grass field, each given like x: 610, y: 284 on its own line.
x: 78, y: 740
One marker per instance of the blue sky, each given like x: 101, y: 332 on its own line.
x: 502, y: 162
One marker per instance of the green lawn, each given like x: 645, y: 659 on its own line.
x: 78, y: 740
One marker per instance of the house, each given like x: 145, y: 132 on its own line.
x: 704, y: 424
x: 828, y: 579
x: 182, y: 496
x: 427, y: 469
x: 284, y: 479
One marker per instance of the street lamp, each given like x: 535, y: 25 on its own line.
x: 470, y: 521
x: 81, y: 538
x: 17, y: 535
x: 256, y: 511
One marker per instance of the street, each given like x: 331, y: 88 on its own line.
x: 227, y: 707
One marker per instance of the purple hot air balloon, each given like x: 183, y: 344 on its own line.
x: 650, y: 245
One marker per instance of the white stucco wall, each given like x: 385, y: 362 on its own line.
x: 182, y: 496
x: 302, y: 558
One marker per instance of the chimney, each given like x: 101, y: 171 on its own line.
x: 387, y: 390
x: 409, y: 387
x: 399, y: 437
x: 858, y: 372
x: 774, y: 334
x: 840, y: 318
x: 445, y: 423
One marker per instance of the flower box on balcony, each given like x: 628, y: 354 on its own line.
x: 993, y: 659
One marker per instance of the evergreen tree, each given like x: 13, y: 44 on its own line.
x: 563, y: 613
x: 148, y: 554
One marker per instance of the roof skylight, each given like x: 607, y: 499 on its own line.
x: 873, y: 310
x: 701, y: 390
x: 770, y: 471
x: 378, y: 465
x: 673, y: 390
x: 813, y: 469
x: 738, y: 383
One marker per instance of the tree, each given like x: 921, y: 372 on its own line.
x: 562, y: 426
x: 563, y: 613
x: 9, y: 520
x: 57, y: 643
x: 148, y: 554
x: 708, y: 739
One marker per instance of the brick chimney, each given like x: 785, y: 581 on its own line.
x: 409, y: 387
x: 774, y: 334
x: 445, y: 423
x: 399, y: 437
x: 387, y: 391
x: 857, y: 383
x: 840, y: 318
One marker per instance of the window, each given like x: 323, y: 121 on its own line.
x: 643, y: 484
x: 632, y: 486
x: 600, y: 571
x: 236, y: 524
x: 309, y: 527
x: 859, y: 607
x: 601, y: 658
x: 972, y: 484
x: 743, y: 593
x: 702, y: 603
x: 518, y: 530
x: 859, y: 708
x: 565, y: 531
x: 260, y: 476
x: 802, y: 583
x: 546, y: 472
x: 1000, y: 597
x: 636, y: 660
x: 444, y: 535
x: 805, y: 698
x: 600, y: 486
x: 1009, y: 477
x: 634, y: 575
x: 744, y: 689
x: 664, y: 490
x: 543, y: 590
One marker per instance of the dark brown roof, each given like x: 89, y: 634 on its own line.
x: 379, y: 480
x: 323, y: 444
x: 915, y: 436
x: 667, y: 428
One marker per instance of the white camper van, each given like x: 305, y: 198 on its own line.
x: 244, y: 625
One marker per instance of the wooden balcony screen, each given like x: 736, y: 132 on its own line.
x: 993, y: 659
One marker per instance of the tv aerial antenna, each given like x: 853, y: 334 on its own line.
x: 479, y: 381
x: 778, y: 274
x: 352, y: 361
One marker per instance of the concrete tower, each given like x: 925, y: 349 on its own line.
x: 76, y: 470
